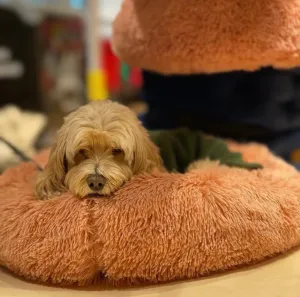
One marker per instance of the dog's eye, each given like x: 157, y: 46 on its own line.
x: 83, y: 154
x: 116, y: 151
x: 80, y: 156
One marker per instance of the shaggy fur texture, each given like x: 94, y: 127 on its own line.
x: 158, y: 227
x: 100, y: 146
x: 192, y: 36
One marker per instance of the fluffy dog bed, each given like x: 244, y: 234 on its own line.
x: 191, y: 36
x: 158, y: 227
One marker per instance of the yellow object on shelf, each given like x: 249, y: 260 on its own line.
x: 96, y: 85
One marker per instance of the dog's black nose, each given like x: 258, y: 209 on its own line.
x: 96, y: 182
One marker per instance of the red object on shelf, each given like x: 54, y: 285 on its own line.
x: 136, y: 78
x: 112, y: 68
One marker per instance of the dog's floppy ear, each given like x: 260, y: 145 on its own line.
x: 51, y: 179
x: 146, y: 155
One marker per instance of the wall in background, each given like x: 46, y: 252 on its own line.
x: 108, y: 9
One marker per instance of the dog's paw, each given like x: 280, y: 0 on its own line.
x: 48, y: 196
x: 46, y: 192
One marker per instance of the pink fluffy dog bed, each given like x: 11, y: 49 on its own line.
x: 158, y: 227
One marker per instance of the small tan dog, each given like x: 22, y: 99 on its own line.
x: 100, y: 146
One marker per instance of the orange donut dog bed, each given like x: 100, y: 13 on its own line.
x: 158, y: 227
x: 208, y: 36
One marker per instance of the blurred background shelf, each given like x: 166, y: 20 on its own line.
x: 45, y: 59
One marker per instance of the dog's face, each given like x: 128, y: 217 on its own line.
x: 100, y: 147
x: 99, y: 163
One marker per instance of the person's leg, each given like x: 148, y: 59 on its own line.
x: 247, y: 106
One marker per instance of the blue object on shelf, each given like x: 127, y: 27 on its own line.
x: 77, y: 4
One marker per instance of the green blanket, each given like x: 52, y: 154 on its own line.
x: 180, y: 147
